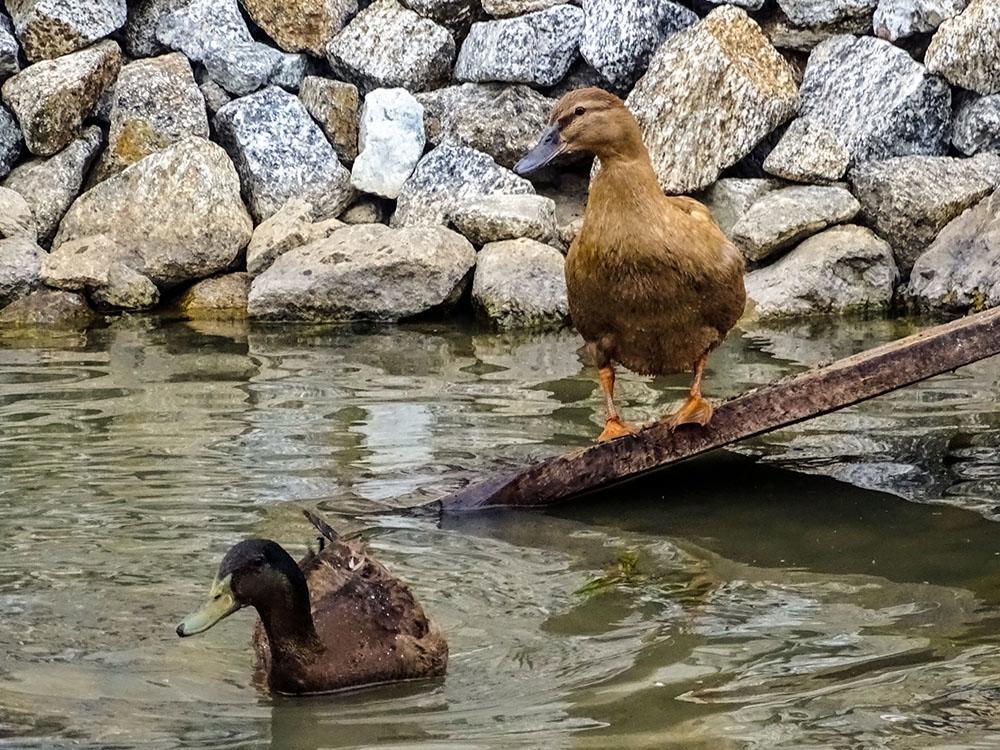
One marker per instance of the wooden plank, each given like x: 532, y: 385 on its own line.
x: 809, y: 394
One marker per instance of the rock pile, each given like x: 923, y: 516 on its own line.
x: 334, y: 160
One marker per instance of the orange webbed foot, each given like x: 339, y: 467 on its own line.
x: 695, y: 410
x: 616, y: 428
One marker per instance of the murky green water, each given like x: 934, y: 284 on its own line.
x: 769, y: 609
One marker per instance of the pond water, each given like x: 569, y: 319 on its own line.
x: 851, y: 603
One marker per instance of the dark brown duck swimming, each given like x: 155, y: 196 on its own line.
x: 654, y: 285
x: 336, y: 620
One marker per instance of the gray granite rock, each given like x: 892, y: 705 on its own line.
x: 241, y: 67
x: 292, y: 226
x: 51, y: 184
x: 809, y: 152
x: 844, y: 269
x: 292, y: 70
x: 51, y: 28
x: 521, y: 284
x: 619, y: 36
x: 496, y: 218
x: 280, y: 152
x: 365, y: 272
x: 960, y: 271
x: 817, y: 12
x: 390, y: 142
x: 194, y: 27
x: 178, y: 209
x: 335, y: 106
x: 215, y: 96
x: 102, y: 268
x: 909, y: 199
x: 389, y: 46
x: 711, y: 93
x: 785, y: 217
x: 874, y: 98
x: 897, y: 19
x: 537, y: 48
x: 16, y: 218
x: 966, y: 48
x: 155, y: 104
x: 499, y: 120
x: 976, y: 126
x: 447, y: 176
x: 49, y: 308
x: 9, y: 49
x: 509, y: 8
x: 301, y: 25
x: 731, y: 197
x: 11, y: 141
x: 20, y: 268
x: 52, y: 98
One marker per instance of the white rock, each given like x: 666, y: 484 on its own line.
x: 896, y: 19
x: 390, y: 141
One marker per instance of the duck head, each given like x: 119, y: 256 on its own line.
x: 254, y: 573
x: 590, y: 121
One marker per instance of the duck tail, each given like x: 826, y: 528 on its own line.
x: 326, y: 530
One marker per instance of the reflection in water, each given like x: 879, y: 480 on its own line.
x: 770, y: 610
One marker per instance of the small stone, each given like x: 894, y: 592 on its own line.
x: 126, y: 289
x: 390, y: 141
x: 508, y: 8
x: 292, y: 226
x: 52, y: 98
x: 745, y: 4
x: 365, y: 272
x: 301, y: 25
x: 11, y: 141
x: 785, y: 217
x: 447, y: 176
x: 50, y: 185
x: 20, y: 268
x: 104, y: 269
x: 156, y: 103
x: 809, y: 153
x: 787, y: 36
x: 966, y: 48
x: 712, y: 93
x: 731, y: 197
x: 367, y: 210
x: 48, y: 307
x: 844, y: 269
x: 389, y: 46
x: 455, y: 15
x: 897, y: 19
x: 619, y: 36
x: 909, y: 199
x: 569, y: 231
x: 215, y: 96
x: 280, y: 152
x: 16, y: 219
x: 9, y: 49
x: 976, y: 126
x: 217, y: 297
x: 241, y: 67
x: 818, y: 12
x: 52, y: 28
x: 291, y: 70
x: 521, y: 284
x: 506, y: 217
x: 334, y: 105
x: 537, y: 48
x: 194, y: 27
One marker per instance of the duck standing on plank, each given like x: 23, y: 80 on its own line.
x: 654, y: 285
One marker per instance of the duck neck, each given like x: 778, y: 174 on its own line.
x: 287, y: 619
x: 625, y: 185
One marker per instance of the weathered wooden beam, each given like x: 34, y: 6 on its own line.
x: 809, y: 394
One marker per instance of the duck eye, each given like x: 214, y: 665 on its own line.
x: 580, y: 111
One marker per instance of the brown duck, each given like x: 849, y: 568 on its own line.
x: 336, y: 620
x: 654, y: 285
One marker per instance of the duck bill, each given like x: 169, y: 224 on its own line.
x: 549, y: 147
x: 221, y: 603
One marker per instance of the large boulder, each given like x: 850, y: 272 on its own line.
x: 785, y: 217
x: 521, y: 284
x: 619, y: 36
x: 334, y: 105
x: 447, y: 176
x: 104, y: 269
x: 292, y: 226
x: 301, y: 25
x: 844, y: 269
x: 976, y: 126
x: 390, y: 142
x: 537, y: 48
x: 365, y: 272
x: 896, y: 19
x: 909, y: 199
x: 51, y: 308
x: 20, y: 268
x: 496, y: 218
x: 155, y: 104
x: 50, y: 185
x: 874, y: 98
x: 52, y: 28
x: 11, y: 141
x: 52, y: 98
x: 218, y: 297
x: 960, y: 271
x: 280, y: 152
x: 711, y: 93
x: 179, y: 210
x: 966, y: 49
x: 499, y: 120
x: 390, y: 46
x: 16, y: 218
